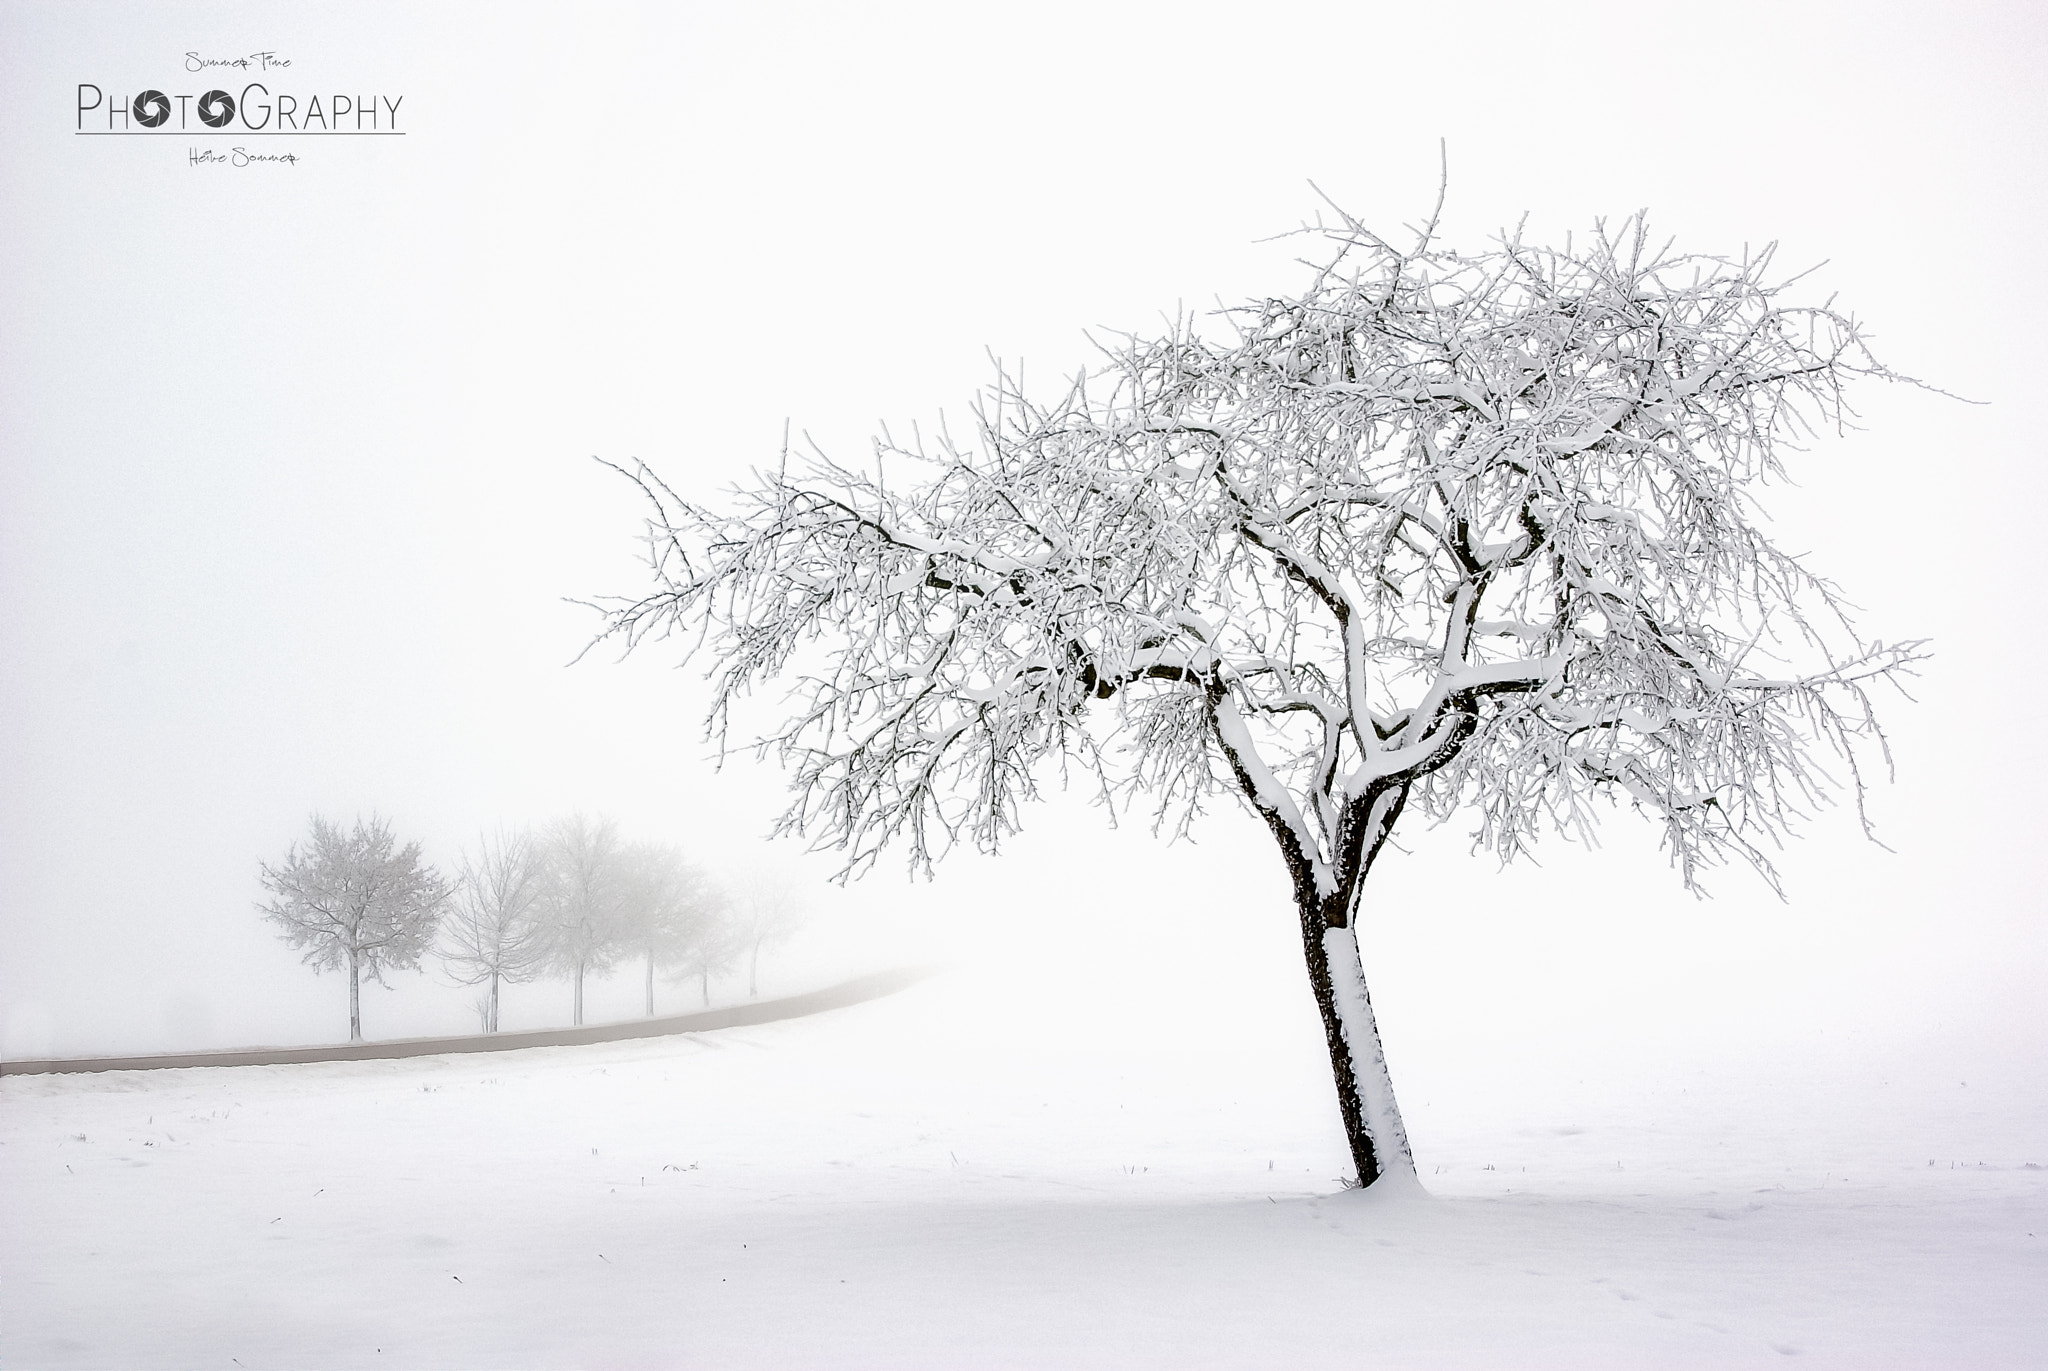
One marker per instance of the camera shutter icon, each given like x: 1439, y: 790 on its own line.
x: 216, y: 107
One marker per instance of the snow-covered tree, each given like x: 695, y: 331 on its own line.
x: 585, y: 904
x: 355, y: 900
x: 1443, y: 532
x: 673, y: 910
x: 715, y: 943
x: 767, y: 907
x: 491, y: 931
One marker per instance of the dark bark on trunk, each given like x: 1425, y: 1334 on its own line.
x: 578, y: 1019
x: 1363, y: 831
x: 1365, y: 1156
x: 491, y: 1014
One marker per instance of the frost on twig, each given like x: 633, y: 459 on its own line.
x: 1445, y: 531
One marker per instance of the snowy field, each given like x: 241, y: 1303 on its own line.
x: 929, y: 1180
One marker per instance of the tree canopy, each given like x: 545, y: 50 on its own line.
x: 492, y: 931
x: 355, y: 900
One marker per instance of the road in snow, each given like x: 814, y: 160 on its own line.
x: 929, y: 1181
x: 837, y: 996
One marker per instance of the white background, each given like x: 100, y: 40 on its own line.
x: 295, y: 467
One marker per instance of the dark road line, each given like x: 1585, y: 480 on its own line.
x: 855, y: 991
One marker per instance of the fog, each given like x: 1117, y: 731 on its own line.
x: 297, y: 482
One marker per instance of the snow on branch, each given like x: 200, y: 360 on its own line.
x: 1445, y: 531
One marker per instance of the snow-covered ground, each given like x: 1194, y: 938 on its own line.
x: 942, y: 1179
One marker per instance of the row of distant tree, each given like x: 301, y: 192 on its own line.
x: 568, y: 899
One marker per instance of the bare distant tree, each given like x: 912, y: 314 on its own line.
x: 1443, y: 532
x: 767, y: 907
x: 673, y: 909
x: 355, y: 900
x: 715, y: 944
x: 585, y: 905
x: 492, y: 931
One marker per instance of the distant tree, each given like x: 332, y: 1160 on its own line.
x: 355, y: 900
x: 718, y: 941
x: 491, y: 931
x: 1442, y: 532
x: 673, y: 909
x: 767, y: 907
x: 586, y: 901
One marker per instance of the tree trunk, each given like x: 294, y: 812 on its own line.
x: 754, y: 971
x: 355, y: 998
x: 704, y: 983
x: 1329, y: 940
x: 1365, y: 1090
x: 579, y: 994
x: 491, y: 1014
x: 650, y: 983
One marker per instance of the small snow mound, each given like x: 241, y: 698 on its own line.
x: 1399, y: 1187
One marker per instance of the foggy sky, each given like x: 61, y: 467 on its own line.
x: 296, y: 465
